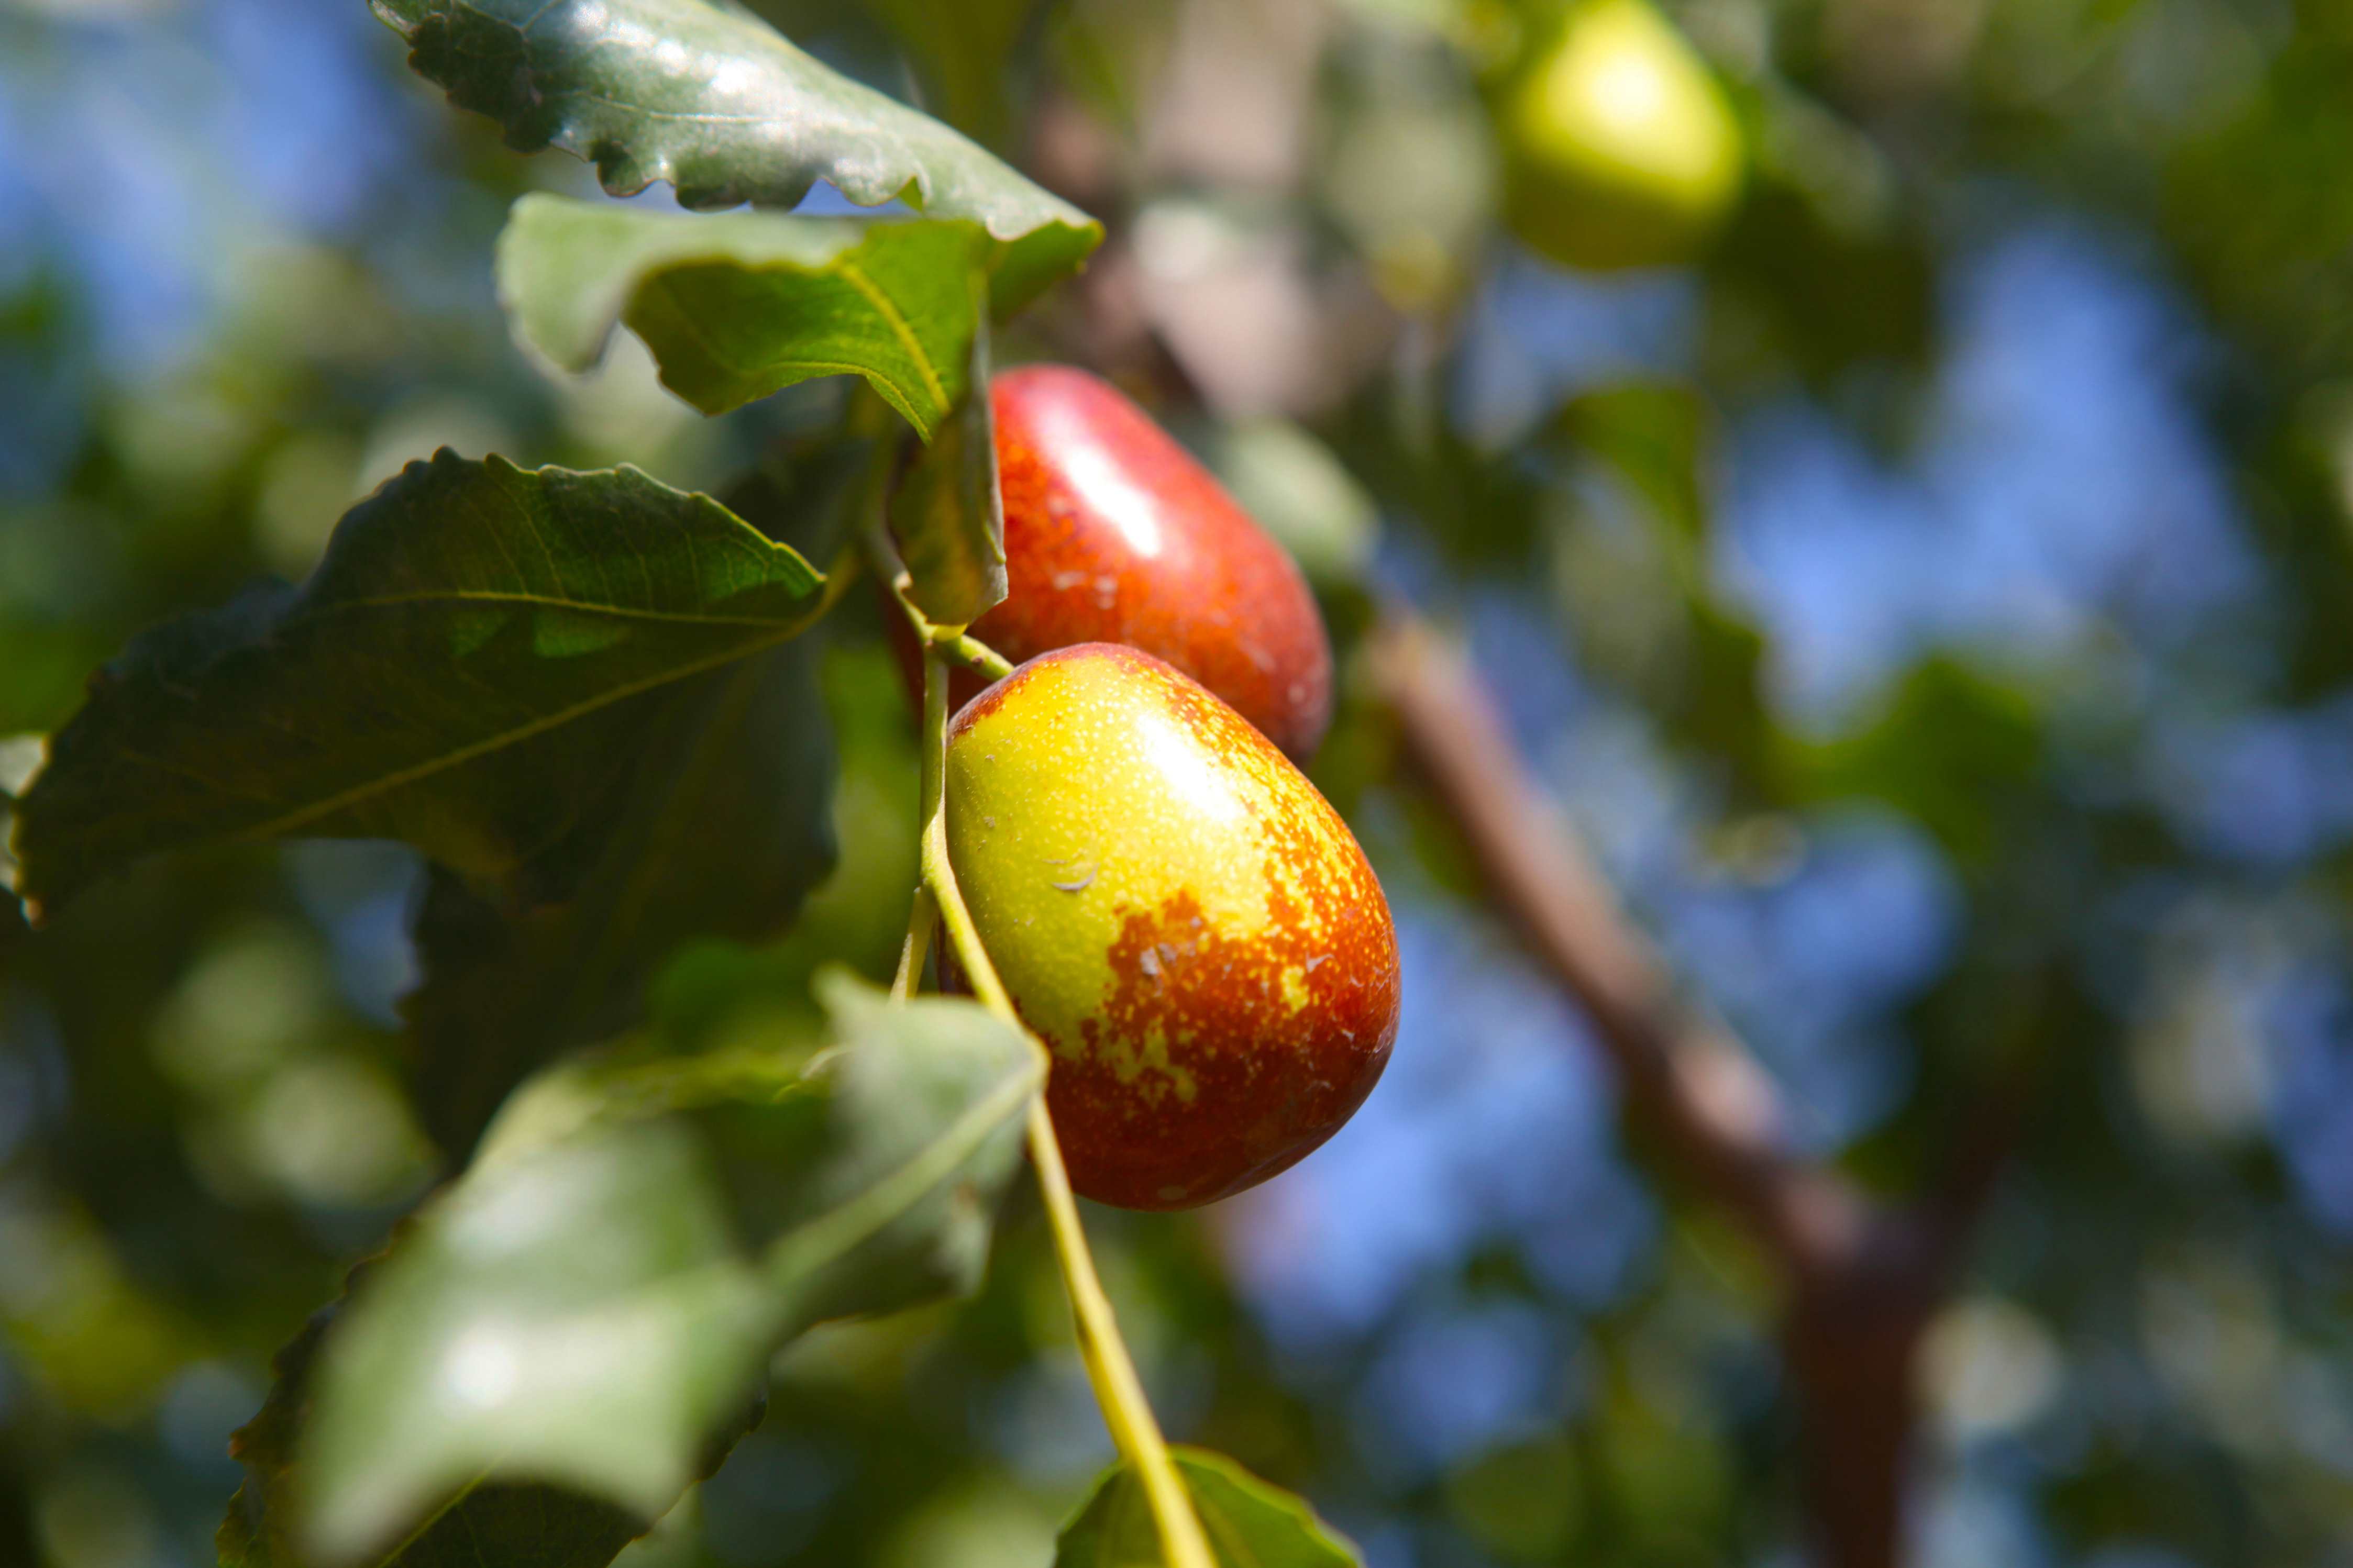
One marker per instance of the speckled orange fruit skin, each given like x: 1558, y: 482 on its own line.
x: 1114, y: 533
x: 1177, y: 913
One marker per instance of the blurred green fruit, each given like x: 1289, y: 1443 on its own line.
x: 1619, y: 150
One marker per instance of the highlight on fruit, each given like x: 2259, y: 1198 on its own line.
x: 1114, y: 532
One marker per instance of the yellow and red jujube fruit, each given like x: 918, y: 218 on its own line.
x: 1178, y: 914
x: 1114, y: 532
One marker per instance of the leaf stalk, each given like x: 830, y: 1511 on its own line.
x: 973, y: 654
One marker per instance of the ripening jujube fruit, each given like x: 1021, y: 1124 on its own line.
x: 1114, y: 532
x: 1177, y: 913
x: 1618, y: 147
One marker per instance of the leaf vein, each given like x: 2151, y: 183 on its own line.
x: 542, y: 601
x: 857, y: 279
x: 834, y: 1232
x: 401, y: 777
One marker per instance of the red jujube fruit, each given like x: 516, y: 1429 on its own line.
x: 1114, y: 532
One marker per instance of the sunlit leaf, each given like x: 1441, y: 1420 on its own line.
x: 597, y: 1295
x: 711, y: 98
x: 20, y: 758
x: 465, y: 610
x: 501, y: 1521
x: 578, y: 1316
x: 947, y: 515
x: 737, y: 305
x: 1250, y: 1523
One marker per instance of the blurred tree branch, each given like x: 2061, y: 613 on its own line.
x: 1686, y: 1078
x: 1864, y: 1276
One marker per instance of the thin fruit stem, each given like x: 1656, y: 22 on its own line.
x: 956, y: 647
x: 954, y: 644
x: 923, y: 919
x: 1126, y: 1409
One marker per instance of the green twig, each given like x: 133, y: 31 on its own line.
x: 923, y: 919
x: 954, y: 644
x: 973, y: 654
x: 1127, y: 1410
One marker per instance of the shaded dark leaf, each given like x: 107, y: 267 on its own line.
x: 1653, y: 439
x: 724, y: 827
x: 807, y: 491
x: 454, y: 674
x: 960, y: 49
x: 1822, y: 297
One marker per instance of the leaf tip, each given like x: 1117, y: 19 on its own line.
x: 843, y: 992
x: 22, y: 758
x: 393, y: 15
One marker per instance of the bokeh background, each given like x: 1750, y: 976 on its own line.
x: 1974, y: 705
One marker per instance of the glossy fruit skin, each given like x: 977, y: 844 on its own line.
x: 1114, y: 533
x: 1620, y: 149
x: 1178, y: 914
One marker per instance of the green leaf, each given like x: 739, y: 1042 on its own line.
x: 1655, y: 436
x: 810, y: 491
x: 930, y: 1102
x: 1960, y: 753
x: 20, y: 759
x: 947, y: 515
x: 577, y: 1318
x: 1299, y: 492
x: 724, y: 827
x: 1653, y: 439
x: 961, y: 48
x: 1250, y: 1523
x: 718, y: 104
x: 598, y: 1293
x: 462, y: 611
x: 738, y: 305
x: 498, y: 1521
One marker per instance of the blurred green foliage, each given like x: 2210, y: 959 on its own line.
x: 246, y: 274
